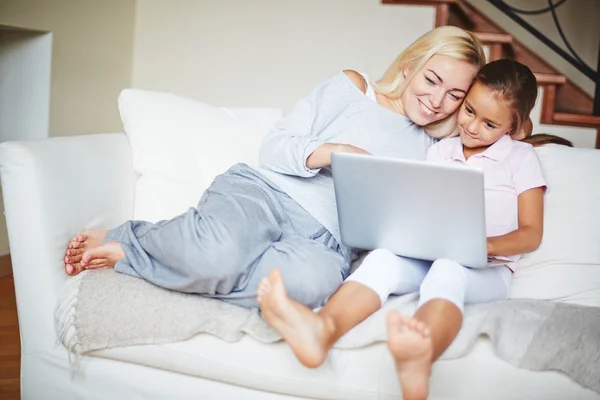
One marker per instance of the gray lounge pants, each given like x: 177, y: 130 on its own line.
x: 243, y: 227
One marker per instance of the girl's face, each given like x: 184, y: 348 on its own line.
x: 437, y: 90
x: 483, y: 118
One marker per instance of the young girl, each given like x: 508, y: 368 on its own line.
x: 497, y: 104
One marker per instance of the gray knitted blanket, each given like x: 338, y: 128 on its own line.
x: 102, y: 309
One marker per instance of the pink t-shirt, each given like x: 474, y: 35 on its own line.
x: 509, y: 168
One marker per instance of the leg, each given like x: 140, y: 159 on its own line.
x: 311, y: 335
x: 311, y: 270
x: 209, y: 250
x: 417, y: 342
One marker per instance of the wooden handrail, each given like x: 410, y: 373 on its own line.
x: 491, y: 37
x: 420, y: 2
x: 550, y: 79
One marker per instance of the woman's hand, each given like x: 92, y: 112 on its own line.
x: 321, y: 157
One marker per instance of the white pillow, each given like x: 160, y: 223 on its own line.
x: 180, y: 145
x: 566, y: 266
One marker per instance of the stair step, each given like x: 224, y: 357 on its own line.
x: 576, y: 119
x: 550, y: 79
x: 494, y: 38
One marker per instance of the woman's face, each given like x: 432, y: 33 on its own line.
x: 437, y: 90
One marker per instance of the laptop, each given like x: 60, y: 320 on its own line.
x: 413, y: 208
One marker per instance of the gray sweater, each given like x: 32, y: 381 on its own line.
x: 336, y: 111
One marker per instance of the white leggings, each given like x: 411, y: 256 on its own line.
x: 386, y: 274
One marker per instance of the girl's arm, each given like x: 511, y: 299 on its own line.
x: 529, y: 235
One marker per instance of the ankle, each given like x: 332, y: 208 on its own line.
x: 330, y: 333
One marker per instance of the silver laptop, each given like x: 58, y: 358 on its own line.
x: 412, y: 208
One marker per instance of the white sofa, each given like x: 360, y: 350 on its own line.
x: 54, y: 188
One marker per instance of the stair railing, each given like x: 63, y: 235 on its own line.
x: 571, y: 57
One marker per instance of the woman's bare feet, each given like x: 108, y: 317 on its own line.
x: 103, y: 256
x: 410, y: 343
x: 306, y: 332
x: 78, y: 246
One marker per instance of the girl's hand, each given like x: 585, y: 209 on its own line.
x: 531, y: 225
x: 321, y: 157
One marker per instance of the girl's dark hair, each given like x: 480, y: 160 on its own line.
x: 543, y: 138
x: 515, y: 83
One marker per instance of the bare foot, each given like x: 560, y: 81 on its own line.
x: 103, y: 256
x: 306, y: 332
x: 78, y: 245
x: 410, y: 343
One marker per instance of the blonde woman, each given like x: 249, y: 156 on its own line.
x: 283, y: 214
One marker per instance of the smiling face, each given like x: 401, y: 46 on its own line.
x: 437, y: 90
x: 483, y: 119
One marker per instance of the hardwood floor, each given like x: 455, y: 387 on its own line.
x: 10, y: 344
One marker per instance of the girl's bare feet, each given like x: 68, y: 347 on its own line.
x: 410, y: 343
x: 306, y: 332
x: 78, y: 246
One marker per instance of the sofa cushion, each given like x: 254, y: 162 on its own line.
x: 566, y: 266
x: 179, y: 145
x: 363, y: 373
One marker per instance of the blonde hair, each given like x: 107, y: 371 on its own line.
x: 447, y: 41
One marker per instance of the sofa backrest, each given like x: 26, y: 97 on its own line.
x: 566, y: 266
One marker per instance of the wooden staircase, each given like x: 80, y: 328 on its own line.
x: 563, y: 102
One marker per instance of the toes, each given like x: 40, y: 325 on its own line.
x: 403, y: 319
x: 77, y: 241
x: 275, y: 276
x: 75, y: 252
x: 423, y: 329
x: 75, y: 259
x: 411, y: 323
x: 97, y: 263
x: 73, y: 269
x: 87, y: 257
x: 73, y: 256
x: 264, y: 285
x: 76, y: 245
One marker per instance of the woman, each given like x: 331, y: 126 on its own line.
x: 283, y: 215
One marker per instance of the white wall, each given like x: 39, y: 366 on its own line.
x: 265, y: 52
x: 91, y: 58
x: 25, y: 58
x: 24, y: 94
x: 580, y: 21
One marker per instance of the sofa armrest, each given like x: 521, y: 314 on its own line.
x: 53, y: 189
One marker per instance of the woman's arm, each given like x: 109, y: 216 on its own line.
x: 321, y: 157
x: 295, y: 146
x: 529, y: 235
